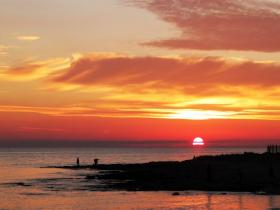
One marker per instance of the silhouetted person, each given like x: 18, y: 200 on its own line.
x: 96, y: 161
x: 78, y: 162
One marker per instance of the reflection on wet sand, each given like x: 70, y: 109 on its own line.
x: 38, y: 197
x: 70, y: 191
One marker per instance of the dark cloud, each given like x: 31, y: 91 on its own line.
x: 219, y: 24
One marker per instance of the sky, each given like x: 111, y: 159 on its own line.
x: 140, y: 70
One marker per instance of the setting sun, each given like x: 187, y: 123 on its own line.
x: 198, y: 141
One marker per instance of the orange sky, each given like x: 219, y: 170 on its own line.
x: 140, y: 70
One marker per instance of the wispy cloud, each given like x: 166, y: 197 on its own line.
x: 32, y: 70
x: 4, y: 50
x: 28, y: 38
x: 39, y: 129
x: 250, y: 25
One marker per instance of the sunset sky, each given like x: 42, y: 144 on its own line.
x: 140, y: 70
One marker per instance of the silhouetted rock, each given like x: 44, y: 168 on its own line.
x: 235, y: 172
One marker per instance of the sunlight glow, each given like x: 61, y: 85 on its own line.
x: 200, y: 114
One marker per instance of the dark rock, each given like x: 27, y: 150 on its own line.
x: 248, y: 172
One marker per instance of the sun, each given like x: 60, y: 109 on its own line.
x: 198, y: 141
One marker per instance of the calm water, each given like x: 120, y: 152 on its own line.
x: 45, y: 188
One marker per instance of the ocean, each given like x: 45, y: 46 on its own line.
x: 26, y: 182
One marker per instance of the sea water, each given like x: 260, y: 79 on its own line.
x: 27, y: 183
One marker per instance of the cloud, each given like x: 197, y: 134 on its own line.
x: 86, y: 111
x: 190, y: 73
x: 39, y: 129
x: 134, y: 109
x: 32, y: 70
x: 250, y: 25
x: 28, y: 38
x: 187, y: 87
x: 4, y: 50
x: 157, y: 87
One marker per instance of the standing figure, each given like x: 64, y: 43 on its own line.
x: 78, y: 162
x: 96, y: 161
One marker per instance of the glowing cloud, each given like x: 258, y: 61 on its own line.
x: 234, y: 82
x: 32, y: 70
x: 28, y: 38
x: 127, y: 86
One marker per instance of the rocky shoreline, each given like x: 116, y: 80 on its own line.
x: 248, y: 172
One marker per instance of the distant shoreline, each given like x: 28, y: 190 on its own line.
x: 248, y: 172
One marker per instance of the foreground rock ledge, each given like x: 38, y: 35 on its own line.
x: 248, y: 172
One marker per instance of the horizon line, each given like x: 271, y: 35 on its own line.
x: 135, y: 143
